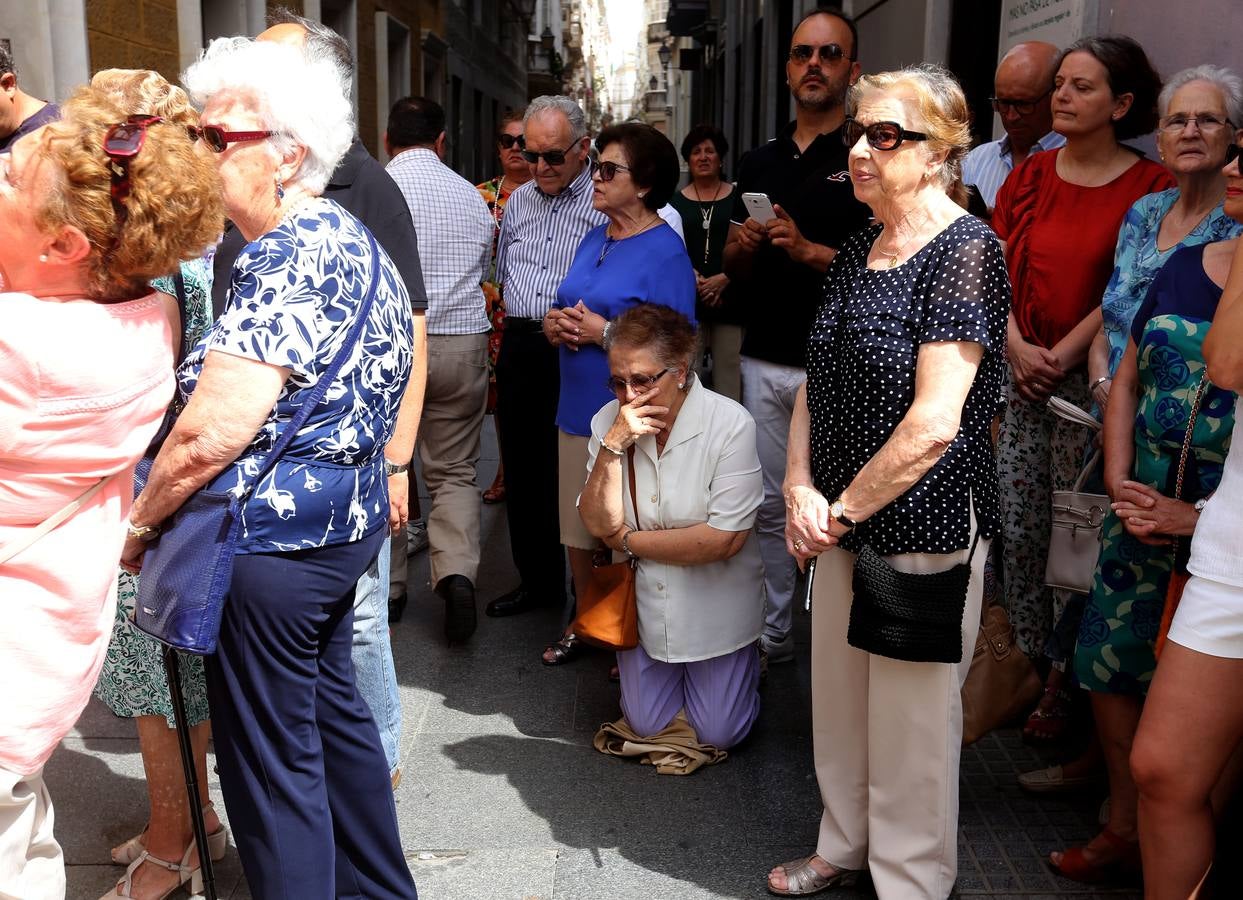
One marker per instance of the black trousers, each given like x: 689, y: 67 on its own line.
x: 528, y: 383
x: 301, y: 767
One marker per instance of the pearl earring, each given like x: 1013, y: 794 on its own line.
x: 42, y: 257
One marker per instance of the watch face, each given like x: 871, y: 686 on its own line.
x: 838, y: 509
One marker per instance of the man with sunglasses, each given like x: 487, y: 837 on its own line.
x: 778, y: 269
x: 1023, y: 86
x: 544, y: 222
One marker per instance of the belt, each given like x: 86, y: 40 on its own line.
x: 523, y: 326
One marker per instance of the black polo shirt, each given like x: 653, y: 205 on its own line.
x: 780, y: 296
x: 361, y: 185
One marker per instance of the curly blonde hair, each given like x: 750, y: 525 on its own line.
x: 174, y: 210
x: 145, y: 93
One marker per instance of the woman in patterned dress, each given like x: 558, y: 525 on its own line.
x: 515, y: 172
x: 1156, y: 388
x: 301, y: 765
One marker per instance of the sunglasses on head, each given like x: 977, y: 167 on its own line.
x: 507, y: 141
x: 639, y: 382
x: 218, y: 140
x: 122, y: 142
x: 880, y: 135
x: 803, y: 53
x: 552, y: 157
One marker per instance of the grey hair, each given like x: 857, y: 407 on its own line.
x: 6, y: 60
x: 297, y: 95
x: 322, y: 43
x: 559, y: 103
x: 1230, y: 85
x: 942, y: 106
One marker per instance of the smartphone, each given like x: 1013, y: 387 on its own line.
x: 759, y: 207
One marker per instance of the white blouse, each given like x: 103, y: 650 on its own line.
x: 709, y: 472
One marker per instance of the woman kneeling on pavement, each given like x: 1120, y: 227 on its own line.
x: 699, y: 579
x: 891, y: 471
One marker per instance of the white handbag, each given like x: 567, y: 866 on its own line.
x: 1075, y: 536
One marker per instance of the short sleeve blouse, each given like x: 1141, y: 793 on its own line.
x: 861, y: 380
x: 293, y: 296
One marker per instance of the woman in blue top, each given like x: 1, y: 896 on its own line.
x: 301, y: 766
x: 634, y: 258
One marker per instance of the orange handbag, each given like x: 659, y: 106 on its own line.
x: 608, y: 611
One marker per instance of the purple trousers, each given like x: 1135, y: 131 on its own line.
x: 720, y: 695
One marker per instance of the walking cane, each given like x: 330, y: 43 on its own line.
x: 192, y: 779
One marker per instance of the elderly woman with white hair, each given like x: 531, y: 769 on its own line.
x: 301, y: 765
x: 890, y: 483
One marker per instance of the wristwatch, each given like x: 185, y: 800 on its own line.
x: 837, y: 509
x: 394, y: 468
x: 145, y: 533
x: 1200, y: 504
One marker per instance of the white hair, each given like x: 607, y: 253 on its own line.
x: 298, y: 95
x: 1230, y: 85
x: 559, y: 103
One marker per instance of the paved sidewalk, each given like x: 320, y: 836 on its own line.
x: 504, y: 799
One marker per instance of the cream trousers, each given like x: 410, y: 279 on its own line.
x: 32, y: 866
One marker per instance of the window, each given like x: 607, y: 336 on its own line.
x: 392, y: 69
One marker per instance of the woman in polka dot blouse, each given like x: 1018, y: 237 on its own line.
x: 890, y: 448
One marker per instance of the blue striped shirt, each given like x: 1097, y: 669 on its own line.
x: 988, y: 165
x: 539, y: 235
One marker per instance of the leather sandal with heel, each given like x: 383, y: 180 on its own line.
x: 126, y: 853
x: 568, y: 647
x: 125, y: 887
x: 802, y: 879
x: 1120, y: 862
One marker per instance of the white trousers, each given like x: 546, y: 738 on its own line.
x: 32, y: 866
x: 887, y: 738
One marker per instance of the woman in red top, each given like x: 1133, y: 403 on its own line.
x: 1059, y: 214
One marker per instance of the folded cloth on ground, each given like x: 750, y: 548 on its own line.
x: 675, y: 750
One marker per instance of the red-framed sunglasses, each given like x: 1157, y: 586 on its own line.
x: 122, y: 142
x: 219, y: 140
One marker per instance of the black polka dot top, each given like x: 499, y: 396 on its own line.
x: 861, y: 380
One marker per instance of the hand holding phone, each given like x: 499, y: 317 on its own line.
x: 759, y: 207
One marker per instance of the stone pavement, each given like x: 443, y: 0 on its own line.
x: 504, y: 799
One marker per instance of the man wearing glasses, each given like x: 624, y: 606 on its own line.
x: 1023, y: 86
x: 778, y: 268
x: 545, y: 220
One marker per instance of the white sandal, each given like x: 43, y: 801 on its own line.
x: 126, y: 853
x: 802, y: 879
x: 123, y: 888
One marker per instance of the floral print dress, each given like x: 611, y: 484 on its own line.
x: 1120, y: 621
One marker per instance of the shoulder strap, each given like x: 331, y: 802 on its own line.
x: 1191, y: 427
x: 52, y: 521
x: 634, y: 501
x: 295, y: 424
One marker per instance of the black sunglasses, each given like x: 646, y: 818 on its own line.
x: 802, y: 53
x: 507, y: 141
x: 880, y: 135
x: 639, y: 382
x: 1022, y: 107
x: 122, y: 142
x: 1233, y: 151
x: 552, y: 157
x: 606, y: 170
x: 219, y: 140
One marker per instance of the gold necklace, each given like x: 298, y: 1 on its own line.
x: 893, y: 257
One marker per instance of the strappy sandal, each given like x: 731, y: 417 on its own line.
x: 802, y: 879
x: 1051, y: 718
x: 1121, y: 860
x: 563, y: 650
x: 126, y: 853
x: 124, y: 888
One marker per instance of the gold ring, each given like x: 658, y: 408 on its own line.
x: 798, y: 545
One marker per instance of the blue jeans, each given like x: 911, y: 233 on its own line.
x: 372, y: 653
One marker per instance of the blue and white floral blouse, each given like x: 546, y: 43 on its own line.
x: 1137, y: 261
x: 292, y: 299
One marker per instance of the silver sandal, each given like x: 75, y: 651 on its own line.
x: 803, y: 880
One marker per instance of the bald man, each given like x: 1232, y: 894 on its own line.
x: 1022, y: 88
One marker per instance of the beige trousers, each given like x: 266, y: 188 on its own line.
x: 32, y: 866
x: 726, y: 343
x: 448, y: 448
x: 887, y: 738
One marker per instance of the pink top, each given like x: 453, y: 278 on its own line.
x: 83, y: 387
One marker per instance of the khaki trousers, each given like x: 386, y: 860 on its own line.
x: 887, y: 738
x: 32, y: 866
x: 448, y: 448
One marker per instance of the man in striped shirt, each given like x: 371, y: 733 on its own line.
x: 544, y: 221
x: 454, y: 229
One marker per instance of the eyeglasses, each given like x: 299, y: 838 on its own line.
x: 507, y: 141
x: 1203, y: 122
x: 219, y: 140
x: 122, y: 142
x: 607, y: 170
x: 552, y: 157
x: 1004, y: 105
x: 880, y: 135
x: 640, y: 383
x: 803, y: 53
x: 1232, y: 153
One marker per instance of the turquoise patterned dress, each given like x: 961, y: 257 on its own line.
x: 1123, y: 612
x: 132, y: 681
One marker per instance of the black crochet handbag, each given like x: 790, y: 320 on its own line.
x: 912, y: 617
